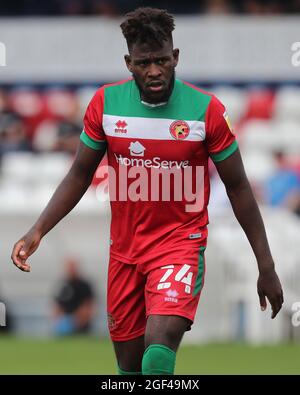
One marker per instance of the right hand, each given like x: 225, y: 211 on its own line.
x: 24, y: 248
x: 269, y: 286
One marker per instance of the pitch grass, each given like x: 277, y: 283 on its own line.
x: 95, y: 356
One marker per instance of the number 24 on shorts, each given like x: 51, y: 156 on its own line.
x: 182, y: 276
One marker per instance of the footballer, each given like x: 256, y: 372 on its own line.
x: 156, y: 122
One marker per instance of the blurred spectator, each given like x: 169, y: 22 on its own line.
x: 69, y: 128
x: 4, y: 101
x: 12, y: 131
x: 12, y: 134
x: 27, y: 102
x: 283, y: 187
x: 61, y: 128
x: 67, y: 137
x: 260, y: 104
x: 74, y: 303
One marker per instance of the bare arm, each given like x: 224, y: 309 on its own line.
x: 232, y: 173
x: 67, y: 195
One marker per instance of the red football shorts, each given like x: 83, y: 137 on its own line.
x: 168, y: 286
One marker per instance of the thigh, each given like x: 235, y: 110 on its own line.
x: 174, y: 290
x: 125, y: 301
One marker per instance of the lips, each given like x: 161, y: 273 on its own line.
x: 155, y: 86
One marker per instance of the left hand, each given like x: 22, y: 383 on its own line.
x: 268, y: 285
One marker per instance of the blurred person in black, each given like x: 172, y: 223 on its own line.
x: 73, y: 303
x: 12, y: 131
x: 67, y: 137
x: 60, y: 134
x: 69, y: 129
x: 12, y: 134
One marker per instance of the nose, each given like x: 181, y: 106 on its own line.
x: 154, y: 71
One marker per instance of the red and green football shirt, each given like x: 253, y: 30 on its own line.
x: 179, y: 135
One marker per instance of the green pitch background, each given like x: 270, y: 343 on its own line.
x: 95, y: 356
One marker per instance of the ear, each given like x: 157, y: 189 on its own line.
x: 176, y: 56
x: 128, y: 62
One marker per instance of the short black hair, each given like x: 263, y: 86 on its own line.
x: 148, y: 25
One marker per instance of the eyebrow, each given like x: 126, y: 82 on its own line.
x: 151, y: 59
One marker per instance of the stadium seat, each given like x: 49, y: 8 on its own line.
x: 51, y: 167
x: 259, y: 104
x: 26, y: 102
x: 27, y: 169
x: 61, y: 103
x: 234, y: 99
x: 29, y: 104
x: 258, y: 165
x: 287, y: 103
x: 45, y: 135
x: 17, y: 166
x: 258, y: 135
x: 288, y: 133
x: 84, y: 96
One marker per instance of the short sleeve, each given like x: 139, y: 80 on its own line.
x: 93, y: 134
x: 220, y: 140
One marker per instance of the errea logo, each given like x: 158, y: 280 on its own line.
x: 171, y: 296
x: 172, y: 293
x: 121, y: 126
x: 136, y: 149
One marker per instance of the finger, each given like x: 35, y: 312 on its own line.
x: 25, y: 250
x: 18, y: 260
x: 262, y: 301
x: 275, y: 311
x: 24, y: 268
x: 15, y: 253
x: 22, y: 265
x: 276, y: 306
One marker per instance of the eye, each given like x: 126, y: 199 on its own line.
x: 142, y: 63
x: 163, y: 61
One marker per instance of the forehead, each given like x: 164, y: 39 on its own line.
x: 145, y: 50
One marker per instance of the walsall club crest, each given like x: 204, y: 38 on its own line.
x: 179, y: 130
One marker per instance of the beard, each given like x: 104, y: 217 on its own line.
x: 152, y: 97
